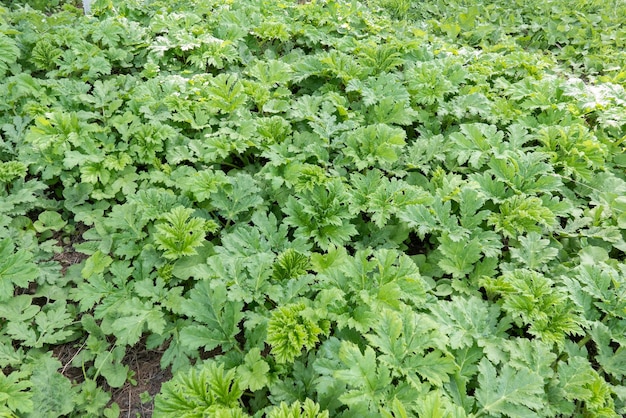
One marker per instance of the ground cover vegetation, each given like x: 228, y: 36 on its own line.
x: 324, y: 208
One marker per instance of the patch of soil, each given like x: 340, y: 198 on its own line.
x: 148, y: 377
x: 65, y: 353
x: 69, y: 255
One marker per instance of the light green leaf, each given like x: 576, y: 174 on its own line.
x: 289, y: 265
x: 236, y: 197
x: 437, y: 405
x: 575, y: 377
x: 522, y: 214
x: 254, y: 371
x: 96, y: 264
x: 435, y: 367
x: 374, y: 145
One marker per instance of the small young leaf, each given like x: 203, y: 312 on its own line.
x: 179, y: 234
x: 290, y: 265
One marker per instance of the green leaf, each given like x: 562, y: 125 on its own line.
x: 270, y: 72
x: 521, y: 214
x: 91, y: 291
x: 436, y: 405
x: 289, y: 265
x: 526, y: 172
x: 377, y: 89
x: 49, y: 221
x: 601, y: 285
x: 9, y: 53
x: 226, y: 93
x: 408, y: 344
x: 509, y: 392
x: 217, y: 318
x: 92, y: 398
x: 612, y: 361
x: 592, y: 255
x: 322, y: 214
x: 459, y: 258
x: 381, y: 58
x: 362, y: 372
x: 52, y: 394
x: 16, y: 268
x: 420, y: 218
x: 109, y: 364
x: 538, y: 302
x: 466, y: 320
x: 429, y: 82
x: 134, y: 318
x: 435, y: 367
x: 374, y: 145
x: 253, y: 373
x: 204, y: 183
x: 53, y: 324
x: 475, y: 142
x: 14, y: 393
x: 12, y: 170
x: 96, y: 264
x: 108, y: 31
x: 575, y: 377
x: 237, y: 197
x: 534, y: 252
x: 383, y: 198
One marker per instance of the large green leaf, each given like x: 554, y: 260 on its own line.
x: 16, y: 268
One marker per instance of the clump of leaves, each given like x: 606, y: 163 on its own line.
x: 308, y: 409
x: 208, y: 390
x: 179, y: 234
x: 290, y: 331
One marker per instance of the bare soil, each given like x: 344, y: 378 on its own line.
x: 148, y: 377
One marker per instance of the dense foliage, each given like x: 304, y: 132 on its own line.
x: 315, y: 209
